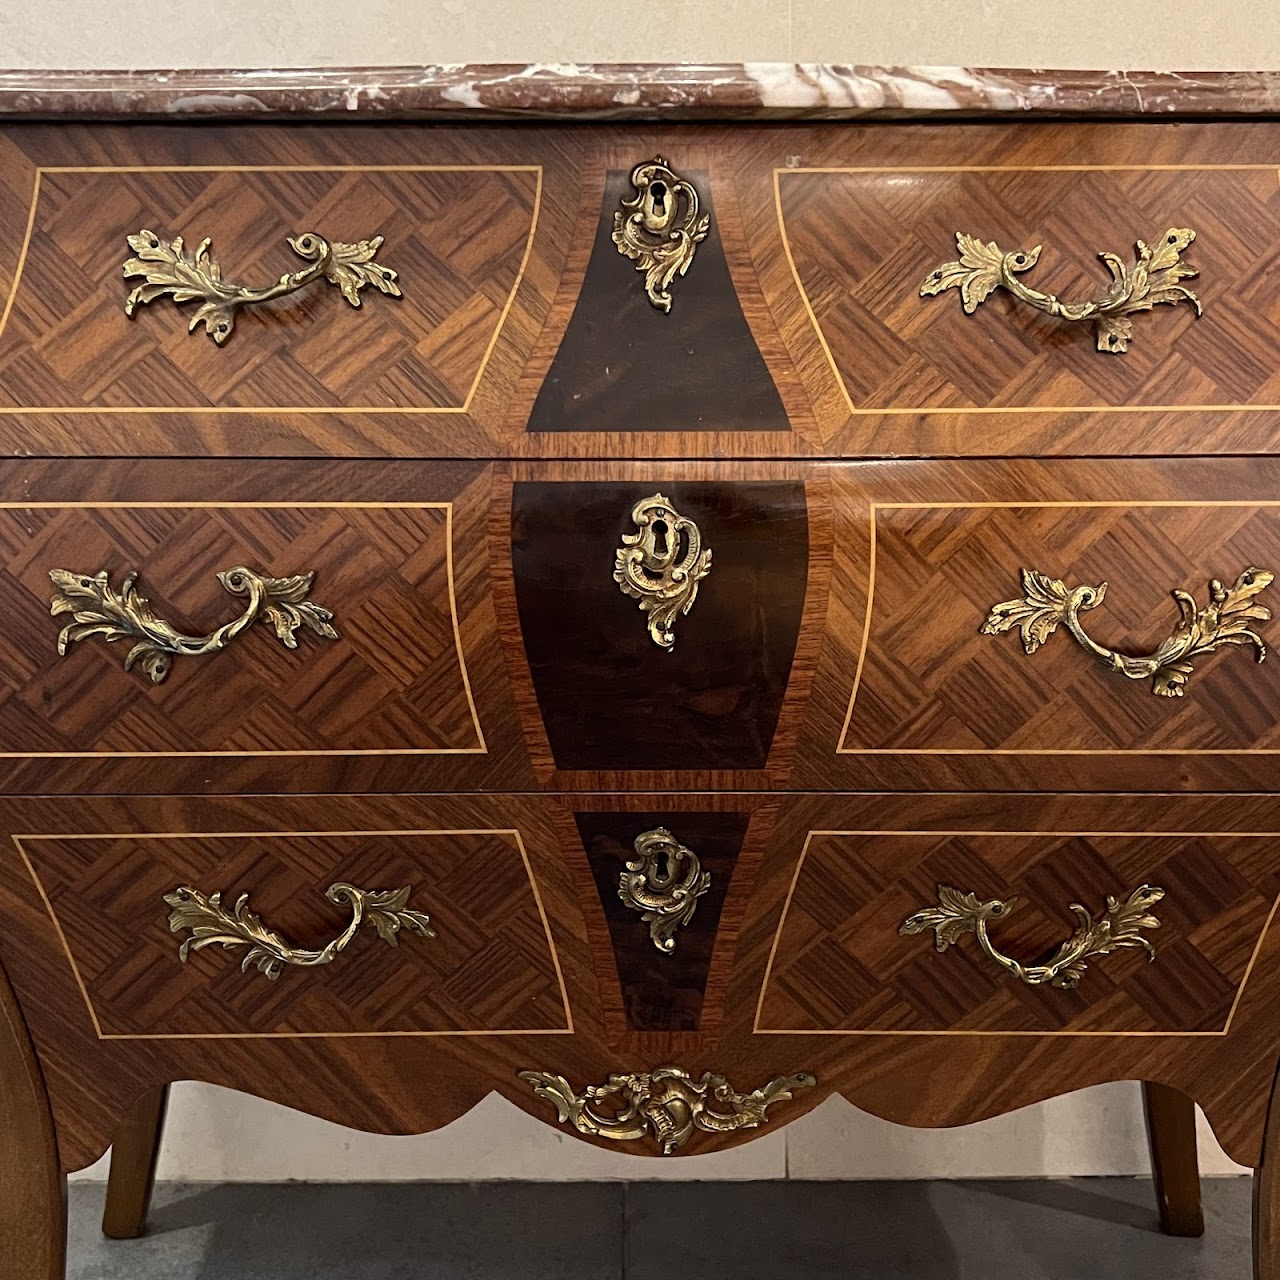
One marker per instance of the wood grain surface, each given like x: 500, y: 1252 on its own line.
x: 619, y: 368
x: 826, y: 233
x: 494, y: 726
x: 948, y: 1076
x: 815, y: 656
x: 33, y: 1187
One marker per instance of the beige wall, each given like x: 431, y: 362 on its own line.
x: 1174, y: 36
x: 216, y: 1135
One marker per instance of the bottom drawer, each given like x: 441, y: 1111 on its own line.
x: 386, y: 962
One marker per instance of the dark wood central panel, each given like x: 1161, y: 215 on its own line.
x: 625, y: 366
x: 609, y: 697
x: 662, y: 992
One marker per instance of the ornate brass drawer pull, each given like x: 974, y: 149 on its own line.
x: 1121, y: 925
x: 663, y: 881
x: 1226, y: 619
x: 99, y: 610
x: 650, y: 566
x: 1153, y: 279
x: 655, y: 233
x: 211, y: 924
x: 666, y: 1104
x: 165, y: 267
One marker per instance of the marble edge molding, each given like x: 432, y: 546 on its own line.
x: 632, y: 91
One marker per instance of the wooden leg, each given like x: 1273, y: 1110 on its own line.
x: 133, y: 1167
x: 1266, y: 1196
x: 33, y: 1188
x: 1171, y: 1133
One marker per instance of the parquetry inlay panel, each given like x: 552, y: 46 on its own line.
x: 860, y: 242
x: 840, y: 965
x: 395, y: 680
x: 491, y: 966
x: 457, y: 236
x: 929, y: 681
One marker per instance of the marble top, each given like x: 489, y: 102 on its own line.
x: 634, y: 91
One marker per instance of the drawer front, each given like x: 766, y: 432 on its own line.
x: 991, y: 931
x: 798, y: 327
x: 587, y: 627
x: 303, y: 625
x: 547, y: 973
x: 285, y: 933
x: 1049, y: 625
x: 325, y: 918
x: 895, y: 351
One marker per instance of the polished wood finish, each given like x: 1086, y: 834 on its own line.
x: 135, y: 1150
x: 33, y: 1187
x: 359, y: 1080
x: 490, y: 967
x: 810, y: 659
x: 621, y: 368
x: 494, y: 726
x: 839, y: 963
x: 860, y: 231
x: 1171, y: 1134
x: 309, y: 351
x: 1266, y: 1195
x: 609, y: 697
x: 662, y: 992
x: 894, y: 351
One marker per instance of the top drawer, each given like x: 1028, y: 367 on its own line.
x: 524, y: 330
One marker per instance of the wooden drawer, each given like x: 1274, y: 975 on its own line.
x: 296, y: 922
x: 799, y: 329
x: 1049, y: 904
x: 792, y: 963
x: 838, y: 633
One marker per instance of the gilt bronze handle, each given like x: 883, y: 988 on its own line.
x: 1121, y: 925
x: 166, y: 267
x: 661, y: 565
x: 211, y: 924
x: 1226, y: 619
x: 663, y: 882
x: 660, y: 227
x: 98, y: 609
x: 667, y: 1104
x: 1153, y: 279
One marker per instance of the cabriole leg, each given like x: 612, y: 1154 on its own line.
x: 133, y: 1166
x: 33, y: 1189
x: 1175, y: 1166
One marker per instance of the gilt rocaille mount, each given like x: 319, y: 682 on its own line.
x: 1120, y: 925
x: 666, y: 1105
x: 166, y: 268
x: 211, y: 924
x: 663, y: 882
x: 661, y: 565
x: 660, y: 227
x: 1228, y: 619
x: 98, y: 609
x: 1153, y: 279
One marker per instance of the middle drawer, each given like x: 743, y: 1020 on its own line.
x: 455, y: 626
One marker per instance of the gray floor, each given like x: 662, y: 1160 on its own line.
x: 1091, y: 1229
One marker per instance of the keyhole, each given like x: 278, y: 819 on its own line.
x: 658, y: 190
x: 660, y: 531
